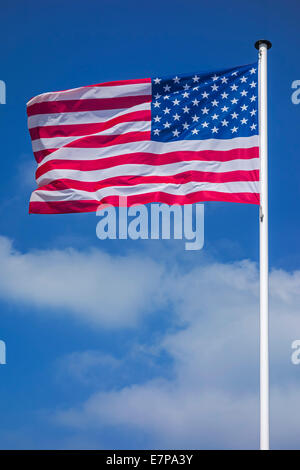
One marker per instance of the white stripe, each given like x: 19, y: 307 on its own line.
x: 122, y: 128
x: 94, y: 92
x: 176, y: 189
x: 149, y: 170
x: 82, y: 117
x: 69, y: 153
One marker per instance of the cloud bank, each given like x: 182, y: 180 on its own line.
x: 212, y: 399
x: 208, y: 397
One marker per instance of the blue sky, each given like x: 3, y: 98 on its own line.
x: 122, y: 344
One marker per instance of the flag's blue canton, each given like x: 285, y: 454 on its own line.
x: 220, y: 105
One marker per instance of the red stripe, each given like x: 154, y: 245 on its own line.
x: 69, y: 130
x: 133, y: 180
x: 149, y: 159
x: 64, y: 207
x: 116, y: 83
x: 41, y: 154
x: 71, y: 106
x: 123, y: 82
x: 95, y: 141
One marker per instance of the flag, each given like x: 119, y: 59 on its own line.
x: 181, y: 139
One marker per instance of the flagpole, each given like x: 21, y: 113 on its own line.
x: 263, y: 45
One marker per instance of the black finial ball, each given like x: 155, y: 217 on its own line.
x: 263, y: 41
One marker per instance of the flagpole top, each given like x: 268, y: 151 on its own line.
x: 263, y: 41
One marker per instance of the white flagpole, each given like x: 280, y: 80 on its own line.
x: 263, y: 45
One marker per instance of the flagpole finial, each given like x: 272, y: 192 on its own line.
x: 263, y: 41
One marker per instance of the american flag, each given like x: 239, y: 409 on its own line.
x: 181, y: 139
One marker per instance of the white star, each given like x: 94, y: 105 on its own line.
x: 156, y: 104
x: 244, y: 121
x: 252, y: 71
x: 166, y: 97
x: 157, y: 118
x: 253, y: 112
x: 195, y: 102
x: 214, y: 78
x: 253, y: 84
x: 186, y: 86
x: 224, y: 79
x: 234, y: 101
x: 176, y: 79
x: 196, y: 88
x: 195, y: 131
x: 205, y: 110
x: 185, y: 94
x: 175, y: 102
x: 176, y: 117
x: 244, y: 107
x: 185, y: 125
x: 224, y: 109
x: 234, y: 87
x: 156, y: 131
x: 166, y: 110
x: 167, y: 125
x: 234, y: 115
x: 214, y: 87
x: 253, y: 98
x: 195, y: 118
x: 167, y: 88
x: 204, y: 124
x: 214, y: 130
x: 253, y: 127
x: 224, y: 95
x: 234, y: 129
x: 215, y: 116
x: 244, y: 93
x: 243, y: 79
x: 234, y: 74
x: 175, y: 133
x: 157, y: 81
x: 196, y: 79
x: 215, y: 103
x: 205, y: 94
x: 186, y: 109
x: 224, y: 122
x: 157, y: 96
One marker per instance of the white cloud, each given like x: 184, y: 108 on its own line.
x: 95, y: 287
x: 212, y: 399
